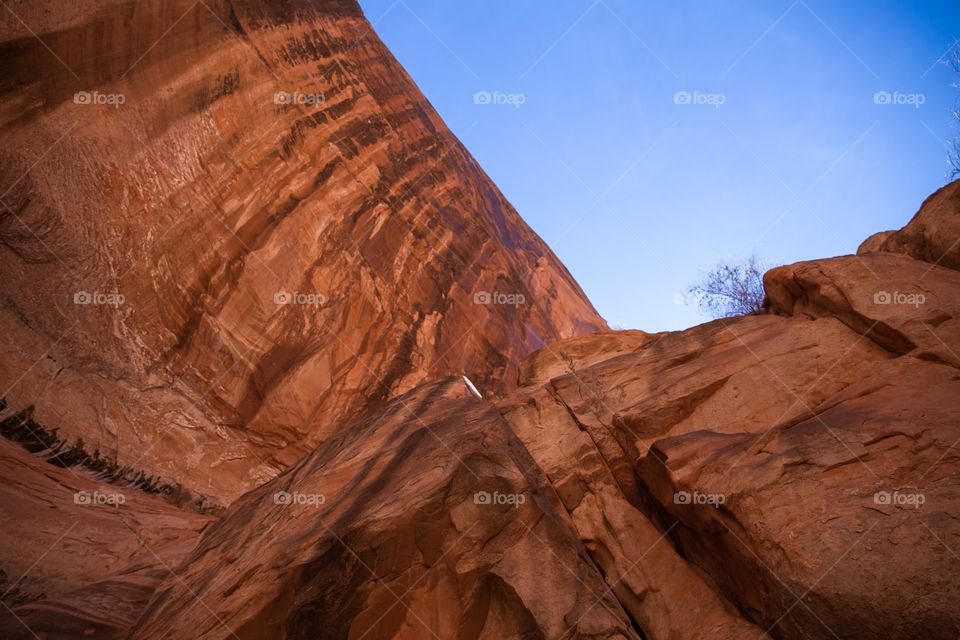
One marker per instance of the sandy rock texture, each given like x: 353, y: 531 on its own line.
x: 241, y: 252
x: 791, y: 474
x: 229, y: 226
x: 81, y: 558
x: 427, y: 518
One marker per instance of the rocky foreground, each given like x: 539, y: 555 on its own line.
x: 793, y: 474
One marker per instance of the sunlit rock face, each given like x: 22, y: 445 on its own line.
x: 229, y: 227
x: 791, y: 474
x: 241, y: 252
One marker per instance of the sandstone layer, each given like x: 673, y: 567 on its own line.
x: 229, y: 226
x: 242, y: 253
x: 81, y: 558
x: 792, y: 474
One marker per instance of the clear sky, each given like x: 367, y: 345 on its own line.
x: 646, y: 140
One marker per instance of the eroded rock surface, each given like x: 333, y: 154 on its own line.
x: 309, y: 261
x: 81, y: 558
x: 228, y: 226
x: 427, y: 518
x: 792, y: 474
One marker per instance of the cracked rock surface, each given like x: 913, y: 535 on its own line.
x: 792, y: 474
x: 316, y: 278
x: 270, y: 231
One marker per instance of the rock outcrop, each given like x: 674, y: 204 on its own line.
x: 790, y: 475
x: 428, y: 517
x: 81, y: 558
x: 228, y: 226
x: 933, y: 235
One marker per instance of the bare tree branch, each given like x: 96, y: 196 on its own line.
x: 731, y: 289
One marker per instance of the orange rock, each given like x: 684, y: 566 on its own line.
x: 294, y: 285
x: 789, y: 475
x: 427, y: 518
x: 80, y: 554
x: 233, y: 225
x: 932, y: 235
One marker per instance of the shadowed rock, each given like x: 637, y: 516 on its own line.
x: 793, y: 473
x: 241, y: 251
x: 247, y: 225
x: 81, y: 557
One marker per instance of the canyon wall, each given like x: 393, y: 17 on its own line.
x: 242, y: 253
x: 791, y: 474
x: 228, y: 227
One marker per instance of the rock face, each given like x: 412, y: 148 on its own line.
x: 427, y: 516
x: 81, y: 557
x: 229, y: 226
x: 793, y: 474
x: 932, y: 236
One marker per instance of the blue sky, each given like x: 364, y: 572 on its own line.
x: 655, y: 138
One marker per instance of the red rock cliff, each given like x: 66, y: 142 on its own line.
x: 228, y: 226
x: 792, y: 475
